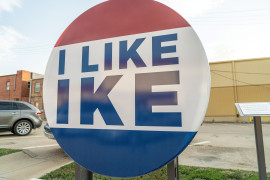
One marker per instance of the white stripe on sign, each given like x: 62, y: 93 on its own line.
x: 200, y: 143
x: 21, y: 138
x: 33, y: 147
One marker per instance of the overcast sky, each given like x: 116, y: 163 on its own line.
x: 228, y: 29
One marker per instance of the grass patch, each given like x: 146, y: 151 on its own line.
x: 4, y: 152
x: 185, y: 173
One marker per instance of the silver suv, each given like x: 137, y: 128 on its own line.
x: 19, y: 117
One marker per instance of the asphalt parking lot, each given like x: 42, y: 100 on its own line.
x: 218, y: 145
x: 229, y: 146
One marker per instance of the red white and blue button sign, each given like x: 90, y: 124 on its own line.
x: 126, y: 87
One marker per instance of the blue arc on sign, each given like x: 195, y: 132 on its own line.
x: 122, y: 153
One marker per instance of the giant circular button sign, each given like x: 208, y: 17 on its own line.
x: 126, y: 87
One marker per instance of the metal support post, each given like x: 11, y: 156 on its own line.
x: 172, y: 170
x: 82, y: 174
x: 260, y: 148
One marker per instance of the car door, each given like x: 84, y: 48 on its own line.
x: 16, y: 113
x: 7, y: 114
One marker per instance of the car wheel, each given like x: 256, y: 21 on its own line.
x: 22, y: 128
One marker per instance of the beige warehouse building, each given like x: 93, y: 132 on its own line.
x: 237, y: 81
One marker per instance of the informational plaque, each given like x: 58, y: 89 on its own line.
x: 253, y: 109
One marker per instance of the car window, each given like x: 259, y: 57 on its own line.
x: 22, y: 106
x: 5, y: 106
x: 15, y: 107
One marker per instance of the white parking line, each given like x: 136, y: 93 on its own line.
x: 21, y: 137
x: 33, y: 147
x: 200, y: 143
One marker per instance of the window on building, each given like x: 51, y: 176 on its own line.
x: 37, y: 87
x: 28, y: 85
x: 8, y: 86
x: 37, y: 104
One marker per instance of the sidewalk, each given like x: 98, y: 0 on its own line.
x: 33, y: 163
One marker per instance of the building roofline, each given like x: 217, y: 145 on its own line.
x: 240, y: 60
x: 19, y: 71
x: 15, y: 73
x: 36, y: 79
x: 8, y: 75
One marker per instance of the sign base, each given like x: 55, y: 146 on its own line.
x: 172, y: 170
x: 260, y: 147
x: 83, y: 174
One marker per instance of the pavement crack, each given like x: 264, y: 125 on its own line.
x: 29, y: 153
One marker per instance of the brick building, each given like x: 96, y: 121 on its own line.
x: 16, y: 86
x: 36, y: 94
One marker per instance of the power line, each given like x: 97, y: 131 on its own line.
x: 221, y: 23
x: 226, y: 17
x: 241, y: 72
x: 229, y: 12
x: 241, y: 81
x: 234, y: 23
x: 246, y: 21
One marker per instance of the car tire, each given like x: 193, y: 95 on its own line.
x: 22, y: 128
